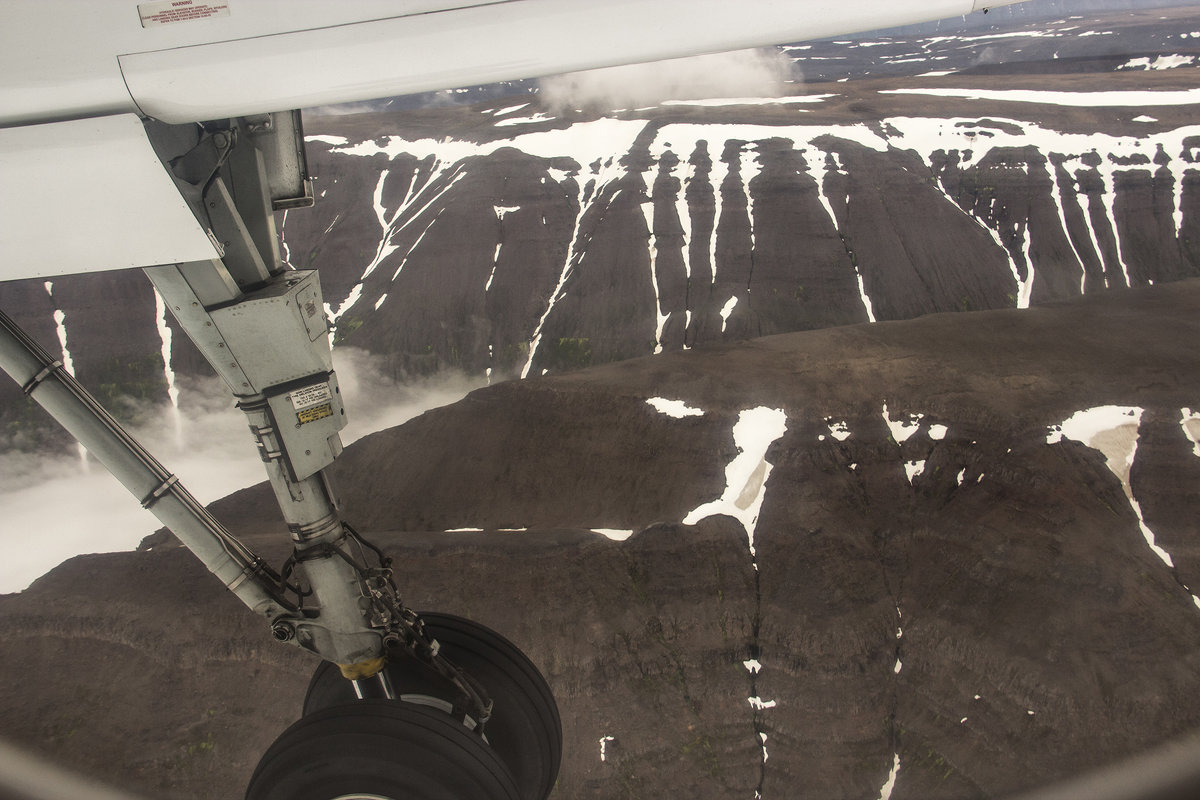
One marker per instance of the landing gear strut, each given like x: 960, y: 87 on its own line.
x: 401, y: 708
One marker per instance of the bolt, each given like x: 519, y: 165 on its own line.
x: 220, y: 139
x: 282, y: 631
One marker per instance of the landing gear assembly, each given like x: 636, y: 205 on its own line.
x: 403, y: 705
x: 523, y: 727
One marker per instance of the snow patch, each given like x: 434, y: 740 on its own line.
x: 758, y: 704
x: 747, y: 474
x: 336, y: 141
x: 604, y: 740
x: 885, y: 791
x: 1113, y: 430
x: 523, y: 120
x: 726, y: 310
x: 838, y: 430
x: 1160, y: 62
x: 937, y: 432
x: 901, y: 427
x: 673, y: 408
x: 613, y: 533
x: 752, y: 666
x: 913, y: 469
x: 502, y: 112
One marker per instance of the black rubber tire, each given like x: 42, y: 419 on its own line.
x: 380, y: 748
x: 525, y: 728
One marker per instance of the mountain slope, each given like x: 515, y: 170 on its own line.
x: 915, y: 540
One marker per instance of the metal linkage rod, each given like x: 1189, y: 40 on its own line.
x: 160, y: 492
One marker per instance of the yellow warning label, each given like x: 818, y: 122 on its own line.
x: 315, y: 413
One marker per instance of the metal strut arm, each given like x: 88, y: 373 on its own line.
x: 262, y: 327
x: 45, y: 380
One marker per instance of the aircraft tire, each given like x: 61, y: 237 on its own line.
x: 525, y: 729
x: 380, y: 750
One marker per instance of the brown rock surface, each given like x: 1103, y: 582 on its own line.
x: 1013, y: 569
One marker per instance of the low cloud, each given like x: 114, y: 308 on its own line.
x: 742, y: 73
x: 374, y: 402
x: 59, y: 506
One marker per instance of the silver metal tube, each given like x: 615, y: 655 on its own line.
x: 69, y: 403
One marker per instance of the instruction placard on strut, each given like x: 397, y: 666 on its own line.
x: 166, y: 12
x: 310, y: 396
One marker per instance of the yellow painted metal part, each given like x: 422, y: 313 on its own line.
x: 363, y: 669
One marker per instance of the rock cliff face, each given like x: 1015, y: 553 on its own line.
x: 542, y: 251
x: 956, y: 556
x: 503, y: 239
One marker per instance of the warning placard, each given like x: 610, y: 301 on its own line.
x: 313, y: 414
x: 166, y: 12
x: 310, y: 396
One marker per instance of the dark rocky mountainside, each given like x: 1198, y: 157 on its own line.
x: 911, y: 544
x: 510, y: 239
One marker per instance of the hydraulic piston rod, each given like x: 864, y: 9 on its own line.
x: 46, y: 381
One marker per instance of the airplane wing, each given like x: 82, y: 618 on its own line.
x: 82, y: 189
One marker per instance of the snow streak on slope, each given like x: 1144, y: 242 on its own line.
x: 1095, y: 158
x: 928, y: 135
x: 647, y: 207
x: 746, y: 475
x: 164, y: 337
x: 589, y: 195
x: 885, y: 791
x: 1113, y: 430
x: 585, y: 142
x: 60, y: 328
